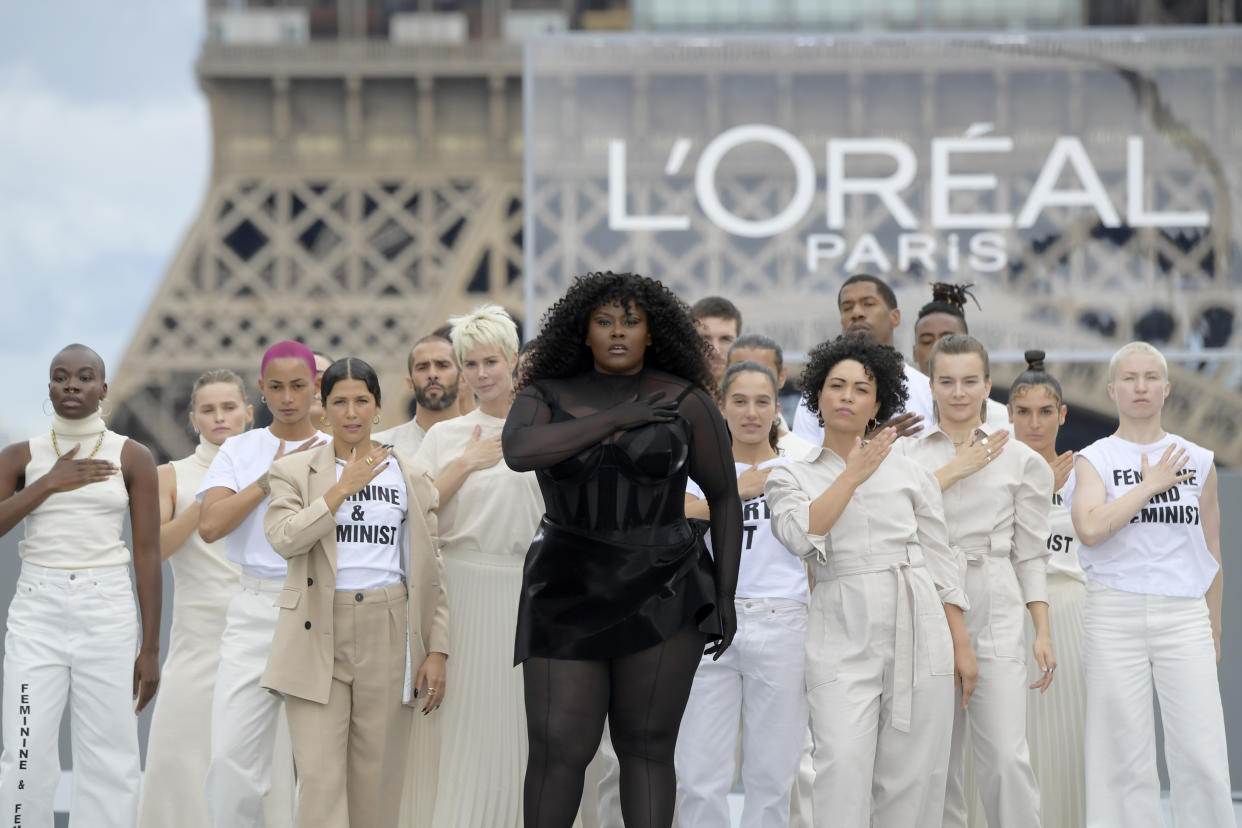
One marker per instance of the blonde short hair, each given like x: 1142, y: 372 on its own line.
x: 1136, y: 348
x: 488, y: 325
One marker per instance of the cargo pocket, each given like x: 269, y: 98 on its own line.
x: 1006, y: 612
x: 937, y: 644
x: 823, y: 642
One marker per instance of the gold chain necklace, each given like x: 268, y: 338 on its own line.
x: 94, y: 451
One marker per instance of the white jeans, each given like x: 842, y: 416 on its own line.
x: 1132, y: 641
x: 245, y: 719
x: 758, y: 683
x: 72, y: 636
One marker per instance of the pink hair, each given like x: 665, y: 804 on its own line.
x: 288, y: 349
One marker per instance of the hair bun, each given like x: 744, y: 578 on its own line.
x: 955, y: 295
x: 1034, y: 360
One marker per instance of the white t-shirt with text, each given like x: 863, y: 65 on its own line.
x: 768, y: 569
x: 1162, y: 550
x: 370, y: 525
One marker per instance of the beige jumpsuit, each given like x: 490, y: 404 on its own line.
x: 998, y: 519
x: 879, y: 654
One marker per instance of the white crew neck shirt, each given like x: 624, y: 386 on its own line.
x: 1162, y: 550
x: 768, y: 569
x: 242, y: 460
x: 370, y: 524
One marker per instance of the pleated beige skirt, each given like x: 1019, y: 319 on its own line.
x: 468, y: 759
x: 1055, y: 720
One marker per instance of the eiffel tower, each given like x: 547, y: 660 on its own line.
x: 365, y: 185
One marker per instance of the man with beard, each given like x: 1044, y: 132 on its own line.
x: 433, y: 380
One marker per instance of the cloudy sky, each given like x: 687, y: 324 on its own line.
x: 104, y: 156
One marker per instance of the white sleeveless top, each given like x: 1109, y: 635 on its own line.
x: 1161, y: 551
x: 82, y: 528
x: 1062, y: 542
x: 196, y: 563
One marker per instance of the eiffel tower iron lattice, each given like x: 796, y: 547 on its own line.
x: 353, y: 264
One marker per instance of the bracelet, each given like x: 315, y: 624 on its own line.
x: 264, y: 485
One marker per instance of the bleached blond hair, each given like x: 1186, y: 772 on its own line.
x: 1136, y: 348
x: 488, y: 325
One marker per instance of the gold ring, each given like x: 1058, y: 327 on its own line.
x: 370, y: 461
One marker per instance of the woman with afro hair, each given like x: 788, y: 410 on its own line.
x: 618, y: 594
x: 886, y: 634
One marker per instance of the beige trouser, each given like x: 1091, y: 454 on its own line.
x: 350, y: 753
x: 880, y: 684
x: 997, y: 710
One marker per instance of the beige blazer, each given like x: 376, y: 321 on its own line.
x: 302, y: 530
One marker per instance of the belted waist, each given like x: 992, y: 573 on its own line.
x: 905, y: 636
x: 976, y: 554
x: 911, y: 556
x: 468, y: 553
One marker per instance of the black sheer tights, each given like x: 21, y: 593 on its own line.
x: 643, y: 696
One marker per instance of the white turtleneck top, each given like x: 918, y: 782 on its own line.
x: 198, y: 564
x: 82, y: 528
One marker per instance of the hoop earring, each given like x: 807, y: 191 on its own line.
x: 873, y: 424
x: 47, y: 413
x: 375, y: 420
x: 102, y: 413
x: 263, y: 399
x: 323, y: 421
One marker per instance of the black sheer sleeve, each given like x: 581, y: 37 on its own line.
x: 711, y: 466
x: 532, y: 441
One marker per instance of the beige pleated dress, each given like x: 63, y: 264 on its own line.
x: 468, y: 759
x: 179, y: 744
x: 1055, y: 720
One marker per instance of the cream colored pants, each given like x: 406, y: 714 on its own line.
x: 250, y: 779
x: 878, y: 652
x: 997, y: 710
x: 1135, y: 643
x: 351, y: 751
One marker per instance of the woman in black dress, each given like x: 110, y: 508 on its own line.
x: 618, y: 596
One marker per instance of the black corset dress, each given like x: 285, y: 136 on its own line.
x: 615, y: 567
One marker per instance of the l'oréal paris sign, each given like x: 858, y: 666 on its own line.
x: 971, y: 239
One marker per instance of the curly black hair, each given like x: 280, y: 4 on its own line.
x: 882, y: 364
x: 560, y: 348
